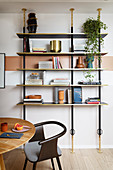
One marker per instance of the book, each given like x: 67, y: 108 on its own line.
x: 77, y: 95
x: 88, y: 102
x: 60, y: 65
x: 35, y: 49
x: 56, y: 63
x: 32, y: 100
x: 30, y: 45
x: 45, y: 64
x: 60, y: 83
x: 56, y: 95
x: 44, y: 77
x: 69, y: 96
x: 61, y: 80
x: 33, y: 82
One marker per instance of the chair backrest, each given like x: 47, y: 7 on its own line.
x: 49, y: 145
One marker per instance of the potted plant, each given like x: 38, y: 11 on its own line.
x: 92, y: 28
x: 89, y: 77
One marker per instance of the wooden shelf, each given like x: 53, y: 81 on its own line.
x: 52, y: 104
x: 55, y: 54
x: 75, y: 85
x: 55, y: 35
x: 64, y: 69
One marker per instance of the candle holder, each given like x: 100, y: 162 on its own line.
x: 4, y: 127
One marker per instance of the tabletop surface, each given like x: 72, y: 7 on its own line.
x: 7, y: 144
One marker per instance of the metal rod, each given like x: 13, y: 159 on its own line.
x: 99, y: 64
x: 100, y: 143
x: 72, y: 144
x: 72, y: 132
x: 24, y: 46
x: 24, y: 10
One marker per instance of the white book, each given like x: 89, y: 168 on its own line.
x: 61, y: 80
x: 32, y: 100
x: 34, y: 82
x: 69, y: 96
x: 30, y: 44
x: 59, y: 83
x: 45, y: 64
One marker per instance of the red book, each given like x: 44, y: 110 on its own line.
x: 93, y: 102
x: 53, y: 60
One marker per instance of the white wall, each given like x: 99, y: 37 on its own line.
x: 85, y: 118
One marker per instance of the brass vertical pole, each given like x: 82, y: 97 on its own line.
x: 72, y: 131
x: 72, y: 9
x: 100, y: 131
x: 24, y: 10
x: 99, y: 9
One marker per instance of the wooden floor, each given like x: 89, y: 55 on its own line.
x: 82, y: 159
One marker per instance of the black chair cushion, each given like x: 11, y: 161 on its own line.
x: 32, y: 150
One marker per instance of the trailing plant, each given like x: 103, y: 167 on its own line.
x: 92, y: 28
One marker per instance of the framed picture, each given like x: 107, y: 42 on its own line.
x: 77, y: 95
x: 2, y: 70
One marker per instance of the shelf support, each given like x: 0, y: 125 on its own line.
x: 24, y: 10
x: 99, y: 131
x: 72, y: 131
x: 24, y: 48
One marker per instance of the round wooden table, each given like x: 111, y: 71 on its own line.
x: 7, y: 144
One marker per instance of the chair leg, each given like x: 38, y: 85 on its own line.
x: 52, y: 164
x: 25, y: 164
x: 58, y: 162
x: 34, y: 166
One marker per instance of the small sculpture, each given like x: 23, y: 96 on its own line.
x: 61, y: 96
x: 32, y: 23
x: 80, y: 62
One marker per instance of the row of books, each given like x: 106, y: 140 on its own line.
x: 56, y: 63
x: 94, y: 100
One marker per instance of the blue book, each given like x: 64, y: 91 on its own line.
x: 77, y: 95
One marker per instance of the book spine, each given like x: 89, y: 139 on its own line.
x: 53, y: 60
x: 58, y: 62
x: 92, y: 102
x: 56, y: 95
x: 60, y: 65
x: 54, y: 63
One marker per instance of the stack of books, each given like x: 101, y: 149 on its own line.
x: 34, y: 82
x: 39, y: 50
x: 94, y: 100
x: 56, y: 63
x: 60, y: 81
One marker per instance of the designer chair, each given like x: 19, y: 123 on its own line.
x: 39, y: 149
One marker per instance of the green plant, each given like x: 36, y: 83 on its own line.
x: 92, y: 27
x: 89, y: 76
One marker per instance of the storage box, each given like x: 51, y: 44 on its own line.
x: 45, y: 64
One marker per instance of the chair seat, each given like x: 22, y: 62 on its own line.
x: 32, y: 150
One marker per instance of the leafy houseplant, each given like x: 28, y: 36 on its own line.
x: 89, y: 77
x: 92, y: 28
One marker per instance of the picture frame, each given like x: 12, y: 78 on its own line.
x: 2, y: 70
